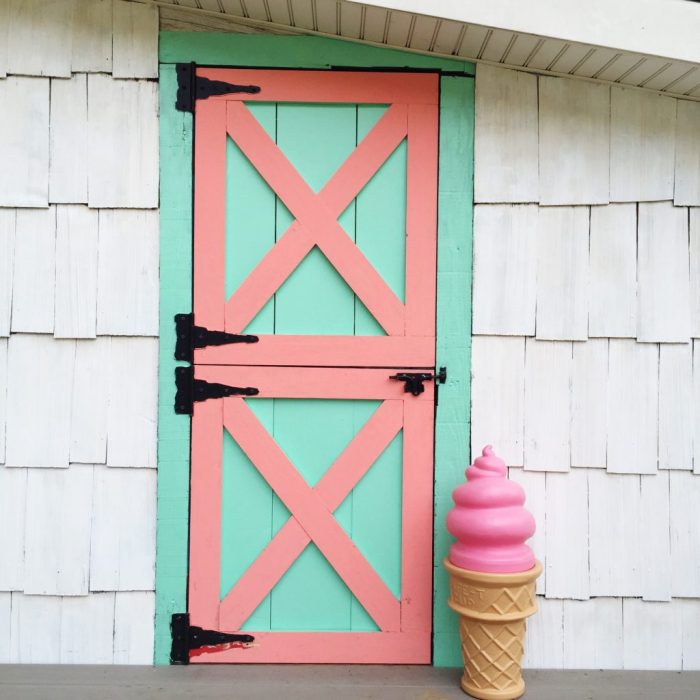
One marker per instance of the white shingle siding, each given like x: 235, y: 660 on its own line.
x: 599, y: 398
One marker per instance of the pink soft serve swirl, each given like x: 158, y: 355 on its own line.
x: 490, y: 521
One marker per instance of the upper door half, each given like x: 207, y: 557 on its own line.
x: 315, y: 218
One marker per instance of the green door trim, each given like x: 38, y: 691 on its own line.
x: 452, y: 427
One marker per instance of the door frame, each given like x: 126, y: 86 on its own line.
x: 454, y: 281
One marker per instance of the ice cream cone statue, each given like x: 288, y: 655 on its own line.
x: 492, y: 577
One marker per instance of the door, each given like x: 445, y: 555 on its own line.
x: 314, y: 241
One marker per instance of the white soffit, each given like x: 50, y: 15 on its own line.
x: 649, y: 44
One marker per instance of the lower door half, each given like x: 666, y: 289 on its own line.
x: 311, y: 516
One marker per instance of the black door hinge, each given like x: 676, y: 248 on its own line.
x: 187, y: 637
x: 191, y: 87
x: 190, y: 390
x: 190, y: 337
x: 413, y: 381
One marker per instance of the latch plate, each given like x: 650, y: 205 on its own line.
x: 413, y: 381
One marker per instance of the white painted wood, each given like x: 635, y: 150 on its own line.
x: 133, y: 628
x: 544, y: 638
x: 663, y: 312
x: 31, y: 613
x: 7, y: 254
x: 127, y: 278
x: 40, y: 37
x: 4, y: 24
x: 642, y: 145
x: 574, y: 143
x: 614, y: 520
x: 5, y: 626
x: 92, y: 37
x: 13, y: 494
x: 505, y: 136
x: 122, y: 551
x: 562, y: 273
x: 652, y: 635
x: 135, y: 42
x: 122, y: 143
x: 589, y: 382
x: 676, y: 409
x: 687, y: 172
x: 3, y: 396
x: 566, y: 535
x: 57, y: 531
x: 132, y: 413
x: 24, y: 142
x: 547, y: 405
x: 695, y: 272
x: 88, y: 427
x: 534, y: 485
x: 40, y: 375
x: 68, y: 145
x: 655, y: 537
x: 76, y: 272
x: 34, y: 271
x: 696, y: 403
x: 87, y: 629
x: 632, y: 407
x: 593, y: 633
x: 612, y: 306
x: 498, y: 393
x: 505, y: 269
x: 685, y: 535
x: 690, y: 616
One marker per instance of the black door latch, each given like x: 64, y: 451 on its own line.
x: 413, y: 381
x: 188, y: 637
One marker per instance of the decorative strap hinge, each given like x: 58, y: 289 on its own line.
x: 189, y: 390
x: 190, y: 337
x: 187, y: 638
x: 192, y: 87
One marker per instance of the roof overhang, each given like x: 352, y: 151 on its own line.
x: 650, y: 44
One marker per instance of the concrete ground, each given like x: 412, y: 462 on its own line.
x: 322, y: 683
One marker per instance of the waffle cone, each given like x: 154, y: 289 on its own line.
x: 492, y: 609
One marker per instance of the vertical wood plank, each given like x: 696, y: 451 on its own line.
x: 505, y: 136
x: 695, y: 272
x: 4, y: 26
x: 7, y: 254
x: 5, y: 625
x: 40, y: 375
x: 615, y: 558
x: 690, y: 616
x: 87, y: 629
x: 547, y: 405
x: 655, y: 537
x: 92, y: 37
x: 76, y: 272
x: 544, y: 638
x: 593, y: 633
x: 574, y: 145
x: 3, y: 395
x: 696, y: 403
x: 122, y: 143
x: 88, y: 426
x: 127, y: 273
x: 685, y: 538
x: 34, y: 271
x: 663, y: 312
x: 122, y: 550
x: 562, y: 273
x: 589, y: 382
x: 687, y: 172
x: 67, y: 144
x: 652, y: 635
x: 566, y: 535
x: 57, y: 537
x: 505, y: 270
x: 133, y: 628
x: 642, y: 145
x: 40, y: 37
x: 632, y: 407
x: 676, y: 409
x: 29, y: 614
x: 498, y: 394
x: 135, y: 41
x: 24, y: 142
x: 13, y: 495
x: 612, y: 308
x: 131, y: 416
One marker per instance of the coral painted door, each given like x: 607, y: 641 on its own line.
x: 315, y: 231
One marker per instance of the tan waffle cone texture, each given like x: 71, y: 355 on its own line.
x: 492, y: 610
